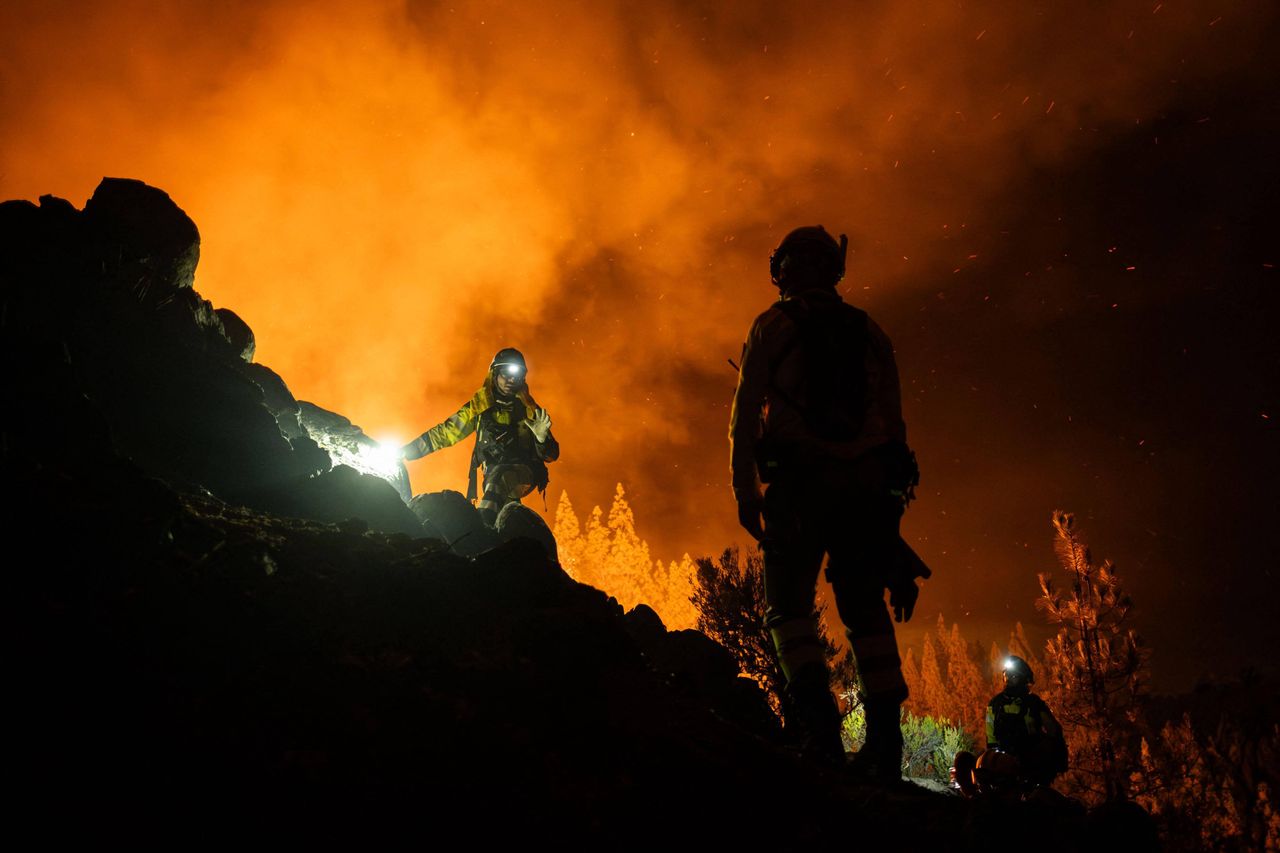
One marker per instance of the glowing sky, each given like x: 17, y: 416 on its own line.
x: 1062, y: 213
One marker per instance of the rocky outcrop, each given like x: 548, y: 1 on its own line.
x: 347, y: 444
x: 100, y: 303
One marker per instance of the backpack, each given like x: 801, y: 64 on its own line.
x: 833, y: 347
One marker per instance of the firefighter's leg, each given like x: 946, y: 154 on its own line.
x: 491, y: 504
x: 502, y: 485
x: 791, y: 565
x: 857, y: 580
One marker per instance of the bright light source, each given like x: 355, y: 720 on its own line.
x: 513, y: 369
x: 384, y: 459
x: 1008, y: 663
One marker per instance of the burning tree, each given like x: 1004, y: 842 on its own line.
x: 609, y: 554
x: 1097, y: 665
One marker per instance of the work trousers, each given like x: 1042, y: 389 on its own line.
x: 503, y: 484
x: 846, y: 512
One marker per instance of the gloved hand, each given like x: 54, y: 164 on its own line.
x: 416, y: 449
x: 750, y: 510
x: 539, y: 425
x: 903, y: 593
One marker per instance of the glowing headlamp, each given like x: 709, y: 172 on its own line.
x: 1008, y: 663
x: 513, y: 370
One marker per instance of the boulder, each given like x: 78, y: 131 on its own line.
x: 700, y: 667
x: 337, y: 496
x: 140, y: 227
x: 277, y: 398
x: 450, y: 517
x: 348, y: 445
x: 517, y: 521
x: 238, y: 333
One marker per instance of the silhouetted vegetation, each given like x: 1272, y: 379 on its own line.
x: 729, y: 598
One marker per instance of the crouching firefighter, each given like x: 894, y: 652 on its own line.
x: 818, y: 418
x: 513, y: 437
x: 1026, y: 748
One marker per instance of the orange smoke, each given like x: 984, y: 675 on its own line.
x: 389, y: 192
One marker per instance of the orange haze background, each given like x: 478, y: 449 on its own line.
x: 390, y: 191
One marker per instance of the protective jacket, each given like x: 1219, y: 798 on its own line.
x: 773, y: 392
x: 503, y: 436
x: 1021, y: 724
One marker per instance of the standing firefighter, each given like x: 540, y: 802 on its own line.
x: 513, y: 437
x: 817, y: 416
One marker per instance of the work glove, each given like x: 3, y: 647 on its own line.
x: 416, y: 449
x: 539, y: 425
x: 750, y: 512
x: 903, y: 593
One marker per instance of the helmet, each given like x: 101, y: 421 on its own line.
x: 812, y: 253
x: 510, y: 361
x: 1014, y: 665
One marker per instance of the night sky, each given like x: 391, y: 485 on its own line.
x: 1064, y: 215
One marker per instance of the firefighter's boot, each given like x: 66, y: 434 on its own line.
x: 880, y: 759
x: 812, y: 712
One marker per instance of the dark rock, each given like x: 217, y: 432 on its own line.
x: 701, y: 667
x: 348, y: 445
x: 59, y: 207
x: 278, y: 399
x: 238, y: 333
x: 142, y: 228
x: 191, y: 320
x: 107, y: 292
x: 450, y: 517
x: 37, y: 257
x: 337, y: 496
x: 517, y: 521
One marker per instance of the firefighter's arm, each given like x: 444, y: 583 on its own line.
x: 745, y: 425
x: 446, y: 434
x: 745, y: 419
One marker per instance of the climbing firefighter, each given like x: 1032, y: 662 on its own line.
x: 1025, y: 745
x: 817, y: 417
x: 513, y: 437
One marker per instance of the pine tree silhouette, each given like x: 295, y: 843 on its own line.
x: 1096, y: 665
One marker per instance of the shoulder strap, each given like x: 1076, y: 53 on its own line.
x: 475, y: 465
